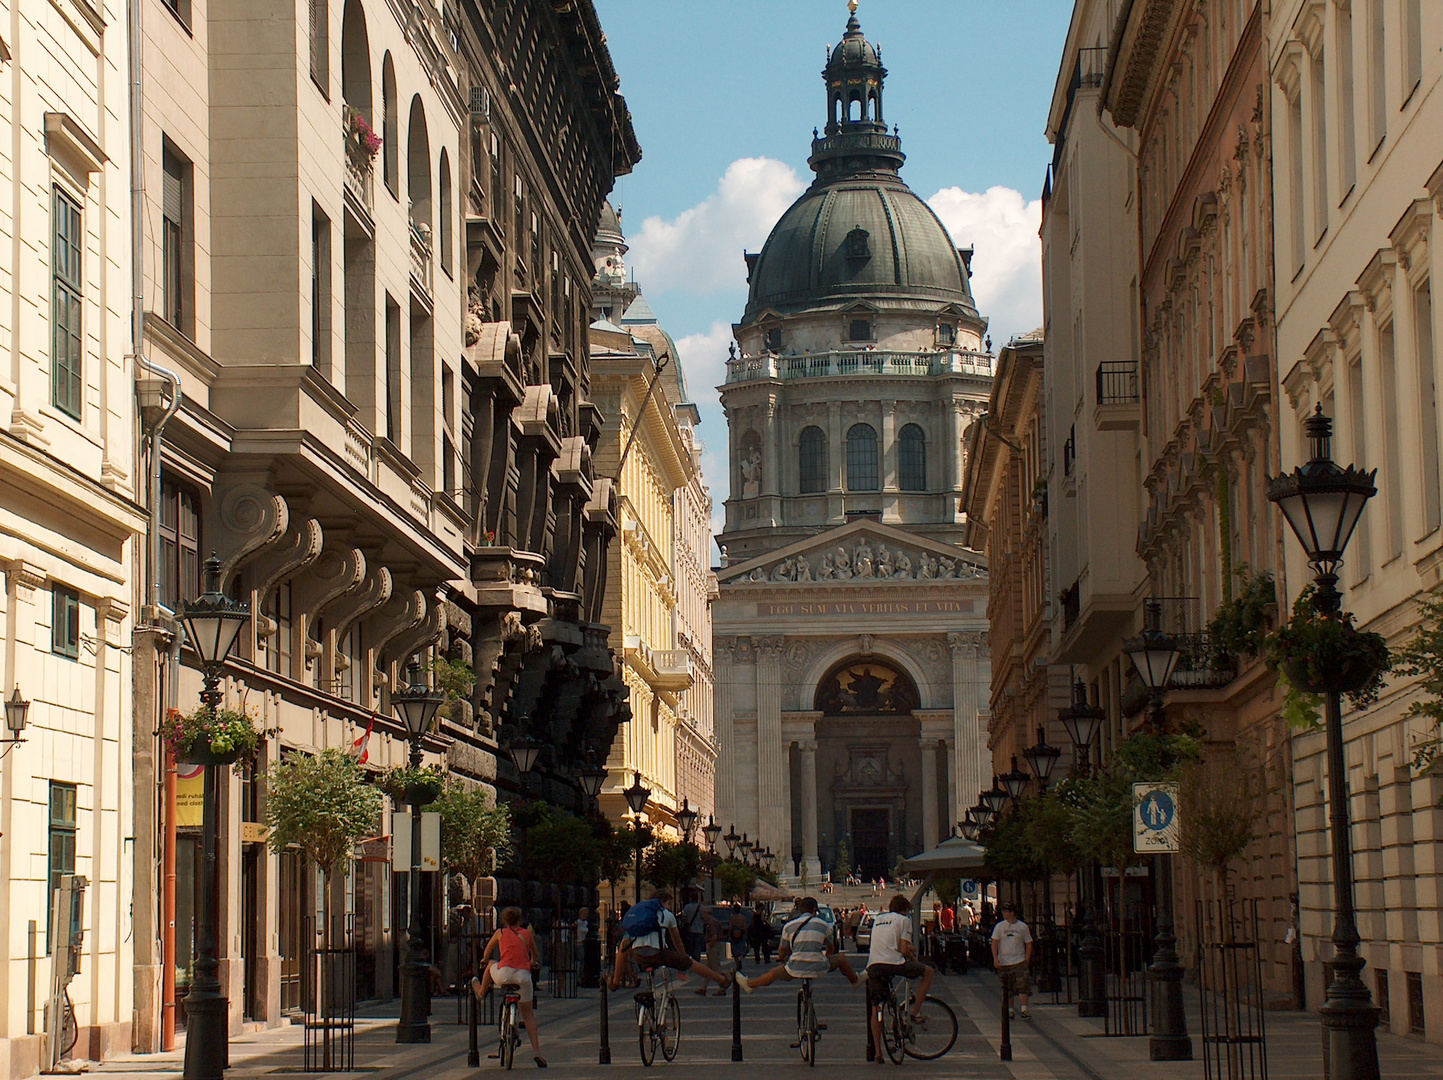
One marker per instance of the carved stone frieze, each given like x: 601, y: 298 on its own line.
x: 866, y: 561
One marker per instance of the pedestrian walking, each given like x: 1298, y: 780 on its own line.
x: 1011, y: 954
x: 759, y: 934
x: 693, y: 926
x: 737, y: 934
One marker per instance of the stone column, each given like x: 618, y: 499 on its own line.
x: 969, y: 685
x: 772, y: 455
x: 949, y: 784
x: 811, y: 864
x: 722, y: 720
x: 929, y: 793
x: 774, y: 805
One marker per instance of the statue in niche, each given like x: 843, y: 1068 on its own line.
x: 842, y: 564
x: 786, y: 570
x: 825, y: 572
x: 884, y: 560
x: 948, y: 568
x: 862, y: 559
x: 804, y: 569
x: 904, y: 565
x: 752, y: 474
x: 475, y: 315
x: 927, y: 569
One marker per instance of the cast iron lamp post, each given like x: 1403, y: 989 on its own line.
x: 686, y: 820
x: 17, y: 709
x: 1154, y: 655
x: 636, y: 797
x: 1083, y: 722
x: 416, y: 706
x: 1042, y: 758
x: 213, y: 622
x: 1014, y: 781
x: 732, y: 840
x: 591, y: 778
x: 995, y: 797
x: 712, y: 831
x: 1322, y: 503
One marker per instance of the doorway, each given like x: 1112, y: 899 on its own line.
x: 871, y: 854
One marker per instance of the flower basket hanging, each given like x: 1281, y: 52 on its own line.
x: 203, y: 737
x: 1322, y: 653
x: 419, y: 786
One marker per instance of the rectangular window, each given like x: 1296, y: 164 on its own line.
x: 176, y: 266
x: 1416, y: 1025
x: 278, y: 645
x: 179, y: 545
x: 1412, y: 47
x: 1319, y: 105
x: 61, y: 847
x: 66, y: 306
x: 181, y: 10
x: 1295, y: 183
x: 860, y: 330
x: 1392, y: 452
x: 393, y: 370
x: 1377, y: 77
x: 1347, y: 137
x: 1427, y: 405
x: 774, y: 339
x: 497, y: 193
x: 1380, y: 979
x: 1363, y: 560
x: 320, y: 290
x: 320, y: 47
x: 64, y: 621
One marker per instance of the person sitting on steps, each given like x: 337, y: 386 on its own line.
x: 516, y: 951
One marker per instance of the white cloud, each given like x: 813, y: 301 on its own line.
x: 700, y: 250
x: 1007, y: 266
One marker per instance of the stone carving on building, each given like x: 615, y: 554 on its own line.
x: 866, y: 563
x: 752, y: 474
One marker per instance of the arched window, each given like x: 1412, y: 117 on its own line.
x: 444, y: 225
x: 912, y: 459
x: 418, y: 171
x: 855, y: 108
x: 390, y: 125
x: 356, y: 60
x: 862, y: 458
x: 813, y: 460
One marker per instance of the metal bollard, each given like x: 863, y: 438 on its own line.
x: 1006, y: 1050
x: 736, y: 1020
x: 604, y: 1055
x: 871, y: 1044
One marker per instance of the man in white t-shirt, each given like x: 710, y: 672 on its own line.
x: 806, y: 951
x: 1011, y: 953
x: 891, y: 954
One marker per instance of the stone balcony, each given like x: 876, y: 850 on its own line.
x: 851, y: 362
x: 669, y: 670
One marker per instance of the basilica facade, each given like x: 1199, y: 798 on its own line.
x: 851, y: 657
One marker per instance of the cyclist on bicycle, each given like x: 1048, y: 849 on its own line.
x: 657, y: 942
x: 891, y: 954
x: 806, y: 951
x: 515, y: 947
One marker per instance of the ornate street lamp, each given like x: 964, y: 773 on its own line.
x: 1083, y: 722
x: 524, y: 752
x: 711, y: 830
x: 1014, y: 781
x: 1041, y: 758
x: 213, y: 622
x: 636, y: 797
x: 591, y: 777
x: 995, y: 798
x: 1154, y: 655
x: 17, y: 710
x: 416, y: 707
x: 686, y: 819
x: 983, y: 813
x: 732, y: 840
x: 969, y: 829
x: 1322, y: 503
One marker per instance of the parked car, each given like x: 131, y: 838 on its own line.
x: 864, y: 933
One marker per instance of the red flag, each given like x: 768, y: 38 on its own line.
x: 361, y: 746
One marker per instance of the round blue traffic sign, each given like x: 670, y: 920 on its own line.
x: 1156, y: 810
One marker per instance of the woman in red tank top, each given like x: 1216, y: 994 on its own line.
x: 514, y: 947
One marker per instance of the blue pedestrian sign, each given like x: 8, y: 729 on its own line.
x: 969, y: 889
x: 1155, y: 827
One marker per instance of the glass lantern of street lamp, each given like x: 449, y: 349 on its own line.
x: 417, y: 705
x: 686, y: 819
x: 983, y: 814
x: 711, y: 830
x: 17, y: 709
x: 1322, y: 502
x: 732, y: 840
x: 636, y: 795
x: 996, y: 797
x: 745, y: 847
x: 1041, y: 757
x: 213, y: 621
x: 1153, y: 652
x: 969, y: 829
x: 591, y: 777
x: 1082, y: 721
x: 1014, y: 781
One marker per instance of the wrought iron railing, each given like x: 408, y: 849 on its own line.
x: 1117, y: 383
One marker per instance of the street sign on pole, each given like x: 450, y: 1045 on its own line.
x: 1155, y: 822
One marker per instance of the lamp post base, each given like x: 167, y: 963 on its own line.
x: 206, y: 1031
x: 1350, y: 1041
x: 414, y: 1025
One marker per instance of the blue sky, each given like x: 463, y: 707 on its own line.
x: 724, y: 95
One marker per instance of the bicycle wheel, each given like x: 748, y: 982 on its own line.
x: 809, y: 1031
x: 508, y: 1039
x: 670, y: 1029
x: 892, y: 1037
x: 646, y: 1034
x: 932, y: 1035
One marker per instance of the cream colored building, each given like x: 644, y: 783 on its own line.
x: 70, y: 519
x: 1357, y: 106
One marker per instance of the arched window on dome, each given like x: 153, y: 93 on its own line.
x: 874, y: 106
x: 855, y: 109
x: 812, y: 460
x: 912, y: 459
x: 862, y: 458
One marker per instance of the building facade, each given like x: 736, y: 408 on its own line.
x: 851, y: 636
x: 71, y: 521
x: 366, y: 295
x: 1357, y: 95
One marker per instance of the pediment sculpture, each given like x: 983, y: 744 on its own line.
x: 868, y: 560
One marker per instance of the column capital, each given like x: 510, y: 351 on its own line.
x: 807, y: 746
x: 968, y: 643
x: 770, y: 648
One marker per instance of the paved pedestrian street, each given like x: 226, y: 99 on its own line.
x: 1054, y: 1045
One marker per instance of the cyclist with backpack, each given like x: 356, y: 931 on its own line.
x: 515, y: 949
x: 651, y: 936
x: 806, y: 951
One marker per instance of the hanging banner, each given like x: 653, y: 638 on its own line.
x: 189, y: 795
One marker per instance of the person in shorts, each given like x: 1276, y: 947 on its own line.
x: 1011, y: 953
x: 662, y: 947
x: 806, y: 951
x: 515, y: 949
x: 891, y: 955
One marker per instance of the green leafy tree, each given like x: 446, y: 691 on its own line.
x: 454, y: 679
x: 617, y: 854
x: 1422, y: 659
x: 844, y: 860
x: 671, y: 865
x: 735, y: 879
x: 561, y: 849
x: 475, y: 833
x: 947, y: 888
x: 1225, y: 802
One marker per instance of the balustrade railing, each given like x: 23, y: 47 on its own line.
x: 860, y: 362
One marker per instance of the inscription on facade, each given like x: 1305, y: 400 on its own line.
x: 869, y: 607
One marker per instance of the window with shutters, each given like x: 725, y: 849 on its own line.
x: 179, y: 544
x: 320, y: 48
x: 862, y: 458
x: 175, y: 254
x: 63, y: 827
x: 64, y: 622
x: 813, y: 460
x: 67, y: 255
x: 912, y: 459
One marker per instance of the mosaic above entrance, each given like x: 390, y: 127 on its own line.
x: 866, y: 687
x: 868, y: 561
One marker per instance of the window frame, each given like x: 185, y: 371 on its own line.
x: 61, y: 828
x: 912, y: 455
x: 64, y: 621
x: 863, y: 454
x: 180, y: 564
x: 812, y: 461
x: 67, y: 303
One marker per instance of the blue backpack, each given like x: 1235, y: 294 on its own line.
x: 642, y: 919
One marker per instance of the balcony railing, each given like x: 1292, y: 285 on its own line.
x: 1117, y: 382
x: 822, y: 365
x: 360, y: 163
x: 421, y: 255
x: 1201, y: 664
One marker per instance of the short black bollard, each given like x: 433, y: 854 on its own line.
x: 871, y: 1043
x: 1006, y: 1051
x: 604, y: 1056
x: 736, y: 1020
x: 473, y: 1045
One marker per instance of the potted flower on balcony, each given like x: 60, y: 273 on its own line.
x: 414, y: 785
x: 1322, y: 652
x: 203, y: 737
x: 362, y: 142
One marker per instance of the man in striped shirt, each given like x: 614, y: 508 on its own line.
x: 806, y: 951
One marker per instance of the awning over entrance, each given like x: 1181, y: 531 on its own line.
x: 951, y: 855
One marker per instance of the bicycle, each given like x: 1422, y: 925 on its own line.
x: 508, y: 1023
x: 809, y: 1032
x: 658, y: 1014
x: 926, y: 1038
